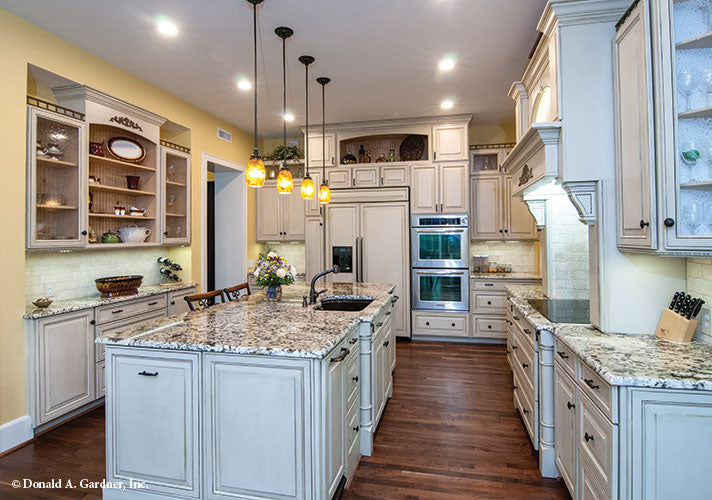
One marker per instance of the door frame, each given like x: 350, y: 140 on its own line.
x: 239, y: 169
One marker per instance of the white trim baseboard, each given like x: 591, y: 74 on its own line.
x: 15, y: 433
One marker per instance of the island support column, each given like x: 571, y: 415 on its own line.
x: 367, y: 430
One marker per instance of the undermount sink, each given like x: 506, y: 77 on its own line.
x: 343, y: 304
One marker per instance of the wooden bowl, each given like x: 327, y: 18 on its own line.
x: 42, y: 303
x: 114, y: 286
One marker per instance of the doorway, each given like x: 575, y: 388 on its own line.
x: 224, y: 216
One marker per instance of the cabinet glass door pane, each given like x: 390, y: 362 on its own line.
x: 692, y: 35
x: 57, y: 182
x: 485, y: 163
x: 176, y: 176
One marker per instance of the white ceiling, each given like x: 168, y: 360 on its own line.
x: 382, y: 55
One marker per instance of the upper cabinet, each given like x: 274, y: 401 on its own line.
x: 663, y: 147
x: 450, y: 142
x: 280, y: 217
x: 176, y: 196
x: 98, y: 177
x: 56, y: 176
x: 319, y: 150
x: 439, y: 188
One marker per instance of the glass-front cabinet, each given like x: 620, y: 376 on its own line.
x: 176, y: 196
x: 663, y: 111
x: 56, y: 179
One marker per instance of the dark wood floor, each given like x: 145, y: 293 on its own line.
x: 449, y: 432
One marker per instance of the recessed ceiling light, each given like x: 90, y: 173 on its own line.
x: 447, y: 104
x: 447, y: 64
x: 166, y: 27
x: 289, y: 117
x: 244, y: 85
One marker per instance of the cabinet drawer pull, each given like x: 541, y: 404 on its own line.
x: 525, y: 365
x: 589, y: 382
x: 509, y: 352
x: 562, y: 354
x: 388, y: 313
x: 588, y: 437
x: 525, y: 411
x: 385, y: 344
x: 514, y: 347
x: 344, y: 352
x: 355, y: 379
x: 356, y: 428
x: 148, y: 374
x: 394, y: 299
x: 516, y: 318
x: 570, y: 405
x: 117, y: 311
x: 153, y: 303
x: 489, y: 284
x: 527, y: 331
x: 516, y: 387
x: 353, y: 340
x: 379, y: 324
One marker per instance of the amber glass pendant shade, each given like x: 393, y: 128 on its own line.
x: 284, y: 181
x: 324, y: 194
x: 307, y: 188
x: 255, y: 174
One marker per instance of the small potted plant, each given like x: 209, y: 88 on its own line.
x: 274, y: 271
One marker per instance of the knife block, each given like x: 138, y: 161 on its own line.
x: 674, y: 327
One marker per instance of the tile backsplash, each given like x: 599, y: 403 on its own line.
x: 699, y: 285
x: 72, y: 274
x: 295, y: 253
x: 522, y: 255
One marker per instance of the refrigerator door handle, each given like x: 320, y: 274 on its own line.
x: 360, y: 260
x: 356, y: 261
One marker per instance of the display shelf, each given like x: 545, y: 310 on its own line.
x: 113, y: 189
x: 699, y: 42
x: 705, y: 112
x: 114, y: 216
x: 48, y: 162
x: 697, y: 185
x: 56, y: 207
x: 118, y: 163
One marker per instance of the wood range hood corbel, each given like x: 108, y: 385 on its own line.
x: 584, y: 196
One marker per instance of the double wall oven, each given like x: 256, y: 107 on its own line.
x: 440, y: 246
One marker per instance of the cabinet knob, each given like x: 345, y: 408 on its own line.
x: 562, y: 354
x: 589, y: 382
x: 489, y: 326
x: 525, y: 365
x: 173, y: 302
x: 356, y: 428
x: 643, y: 224
x: 501, y: 231
x: 570, y: 405
x: 385, y: 344
x: 84, y: 233
x: 669, y: 222
x: 427, y: 323
x: 355, y: 379
x: 92, y: 322
x: 165, y: 233
x: 515, y: 387
x: 489, y: 302
x: 514, y: 348
x: 506, y: 230
x: 525, y: 411
x: 587, y: 436
x: 453, y: 324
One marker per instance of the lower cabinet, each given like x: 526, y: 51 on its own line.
x: 63, y: 364
x: 440, y: 324
x: 565, y: 429
x: 152, y: 420
x: 177, y: 303
x: 489, y: 306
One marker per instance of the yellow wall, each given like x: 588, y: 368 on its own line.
x: 22, y: 44
x: 492, y: 134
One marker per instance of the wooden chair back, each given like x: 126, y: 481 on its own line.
x: 237, y: 292
x: 203, y: 300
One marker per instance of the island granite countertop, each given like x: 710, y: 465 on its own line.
x: 259, y: 326
x: 640, y: 360
x: 70, y: 305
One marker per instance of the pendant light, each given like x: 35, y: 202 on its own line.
x: 307, y: 182
x: 284, y: 179
x: 255, y: 173
x: 324, y: 193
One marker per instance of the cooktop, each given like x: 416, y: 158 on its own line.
x: 563, y: 310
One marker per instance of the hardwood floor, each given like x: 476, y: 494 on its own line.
x: 449, y: 432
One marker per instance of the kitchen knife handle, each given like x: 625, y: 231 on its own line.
x: 674, y: 300
x: 698, y: 308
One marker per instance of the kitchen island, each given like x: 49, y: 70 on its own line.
x: 249, y: 399
x: 615, y: 415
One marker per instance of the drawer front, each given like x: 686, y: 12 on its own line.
x: 510, y: 352
x: 117, y: 326
x: 525, y: 359
x: 597, y: 439
x: 395, y: 176
x: 488, y: 302
x: 339, y: 177
x: 100, y: 379
x: 566, y: 358
x: 489, y: 328
x: 177, y: 303
x: 522, y: 326
x: 528, y: 412
x: 489, y: 286
x: 454, y: 325
x: 352, y: 424
x: 351, y: 382
x: 122, y: 310
x: 597, y: 389
x: 365, y: 177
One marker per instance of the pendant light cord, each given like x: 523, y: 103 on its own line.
x: 284, y: 101
x: 323, y: 134
x: 306, y: 143
x: 254, y: 23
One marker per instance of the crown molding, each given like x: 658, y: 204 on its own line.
x: 518, y: 90
x: 397, y: 122
x: 576, y: 12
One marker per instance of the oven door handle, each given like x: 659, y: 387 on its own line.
x: 437, y: 230
x: 443, y: 273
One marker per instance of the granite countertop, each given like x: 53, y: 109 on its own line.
x: 505, y: 276
x: 640, y: 360
x: 258, y: 326
x: 69, y: 305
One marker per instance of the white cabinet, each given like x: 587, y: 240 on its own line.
x: 280, y: 217
x: 339, y: 177
x: 175, y: 171
x: 153, y: 418
x: 440, y: 188
x: 635, y: 157
x: 395, y: 175
x: 65, y: 364
x: 317, y: 150
x: 565, y: 430
x: 314, y: 246
x: 177, y: 303
x: 450, y: 142
x: 312, y: 208
x: 335, y: 432
x: 366, y: 176
x: 496, y: 214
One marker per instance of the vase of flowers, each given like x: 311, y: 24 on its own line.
x: 273, y: 271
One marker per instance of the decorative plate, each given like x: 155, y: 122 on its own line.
x: 126, y: 149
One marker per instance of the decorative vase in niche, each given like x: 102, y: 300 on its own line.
x: 274, y: 293
x: 132, y: 181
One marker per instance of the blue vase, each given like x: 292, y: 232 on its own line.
x: 274, y: 292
